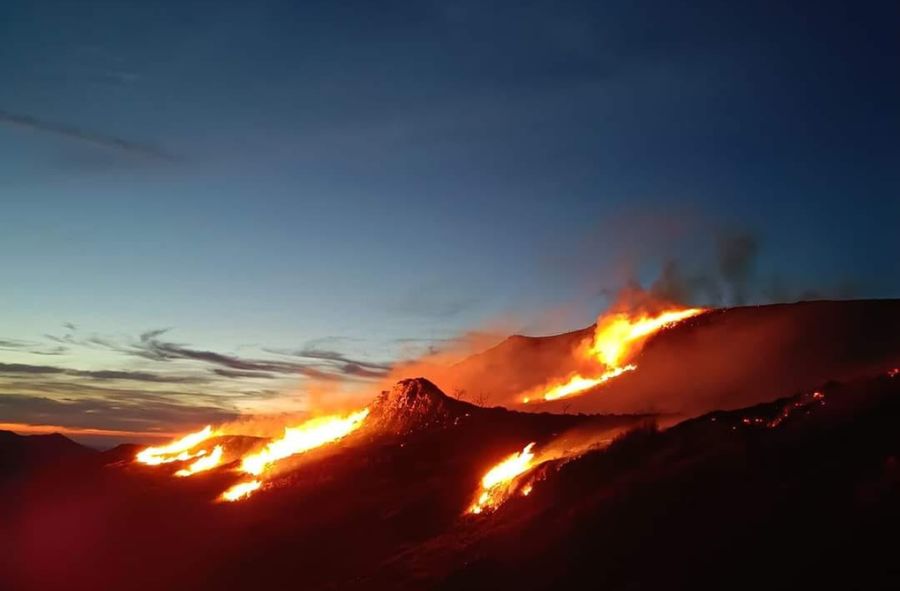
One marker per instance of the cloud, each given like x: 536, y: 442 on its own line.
x: 151, y: 347
x: 434, y: 300
x: 323, y: 365
x: 74, y: 133
x: 158, y: 395
x: 344, y: 363
x: 8, y: 368
x: 233, y: 373
x: 30, y: 347
x: 132, y: 414
x: 138, y: 376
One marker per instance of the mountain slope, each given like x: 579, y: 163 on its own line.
x: 28, y: 453
x: 798, y: 493
x: 723, y: 359
x: 327, y: 517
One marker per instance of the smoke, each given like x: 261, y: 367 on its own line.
x: 736, y: 255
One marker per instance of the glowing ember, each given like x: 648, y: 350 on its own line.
x: 309, y: 435
x: 787, y: 410
x: 496, y: 484
x: 206, y: 462
x: 241, y: 490
x: 177, y: 451
x: 617, y: 339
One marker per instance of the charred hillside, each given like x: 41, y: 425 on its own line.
x: 802, y: 492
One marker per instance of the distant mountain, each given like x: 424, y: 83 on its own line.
x: 20, y: 453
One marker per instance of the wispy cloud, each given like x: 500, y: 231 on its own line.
x: 152, y: 380
x: 81, y: 135
x: 132, y: 414
x: 341, y: 362
x: 138, y: 376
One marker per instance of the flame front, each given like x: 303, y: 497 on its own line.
x: 296, y: 440
x: 310, y: 435
x: 204, y: 463
x: 177, y: 451
x: 617, y: 339
x: 497, y: 482
x: 580, y: 384
x: 241, y: 490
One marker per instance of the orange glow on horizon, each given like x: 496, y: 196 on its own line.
x: 41, y: 429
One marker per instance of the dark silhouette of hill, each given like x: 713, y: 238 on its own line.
x: 331, y: 514
x: 25, y: 453
x: 802, y: 492
x: 723, y: 359
x: 798, y: 492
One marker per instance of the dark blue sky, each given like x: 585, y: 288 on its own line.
x: 358, y: 176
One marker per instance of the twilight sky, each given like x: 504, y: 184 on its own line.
x: 207, y: 206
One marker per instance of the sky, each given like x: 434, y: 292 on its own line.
x: 208, y: 209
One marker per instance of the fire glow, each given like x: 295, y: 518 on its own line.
x: 203, y: 463
x: 312, y: 434
x: 241, y: 490
x: 309, y: 435
x: 498, y: 483
x: 177, y: 451
x: 617, y: 339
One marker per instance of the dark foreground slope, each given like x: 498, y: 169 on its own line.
x: 723, y: 359
x: 331, y: 517
x: 799, y: 493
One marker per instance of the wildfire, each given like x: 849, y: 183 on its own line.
x: 497, y: 483
x: 617, y: 339
x: 296, y: 440
x: 241, y: 490
x: 177, y: 451
x: 309, y: 435
x: 579, y: 383
x: 204, y: 463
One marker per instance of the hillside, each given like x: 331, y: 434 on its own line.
x: 331, y: 515
x: 722, y: 359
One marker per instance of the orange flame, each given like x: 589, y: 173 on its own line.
x: 497, y: 482
x: 309, y: 435
x: 617, y: 339
x: 204, y: 463
x: 177, y: 451
x: 241, y: 490
x: 579, y: 384
x: 296, y: 440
